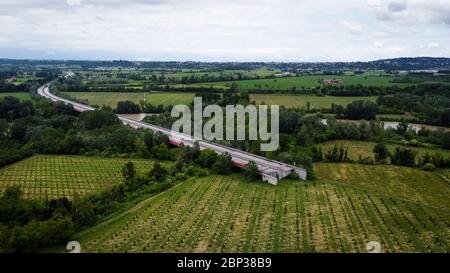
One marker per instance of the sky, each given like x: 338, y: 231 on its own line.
x: 224, y: 30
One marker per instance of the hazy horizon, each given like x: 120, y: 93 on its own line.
x: 210, y: 61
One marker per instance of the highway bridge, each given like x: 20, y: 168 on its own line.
x: 271, y: 171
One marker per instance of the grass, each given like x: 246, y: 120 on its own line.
x: 386, y: 117
x: 112, y: 98
x: 301, y: 100
x: 304, y: 82
x: 228, y: 214
x: 396, y: 116
x: 412, y: 184
x: 101, y: 78
x: 58, y: 176
x: 245, y: 73
x: 363, y: 149
x: 399, y: 117
x: 19, y: 95
x: 22, y: 80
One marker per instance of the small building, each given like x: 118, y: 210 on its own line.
x: 332, y: 81
x: 11, y: 80
x: 284, y: 74
x: 423, y: 72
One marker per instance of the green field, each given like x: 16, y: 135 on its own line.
x: 363, y: 149
x: 405, y: 209
x: 303, y: 82
x: 112, y: 98
x: 245, y: 73
x: 58, y: 176
x: 100, y: 78
x: 301, y: 100
x: 19, y: 95
x: 385, y: 117
x: 22, y: 80
x: 412, y: 184
x: 397, y: 117
x: 228, y: 214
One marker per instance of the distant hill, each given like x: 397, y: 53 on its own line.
x: 415, y: 63
x: 418, y: 63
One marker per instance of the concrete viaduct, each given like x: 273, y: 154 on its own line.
x: 271, y: 171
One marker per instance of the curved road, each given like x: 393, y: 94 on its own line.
x: 270, y: 170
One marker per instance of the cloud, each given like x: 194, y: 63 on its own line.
x: 373, y: 3
x: 352, y: 27
x: 433, y: 45
x: 378, y: 44
x: 73, y: 2
x: 395, y: 6
x: 412, y: 11
x: 227, y: 30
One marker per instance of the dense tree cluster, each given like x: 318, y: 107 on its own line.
x: 430, y: 103
x: 381, y: 152
x: 128, y: 107
x: 12, y: 108
x: 57, y: 129
x: 29, y: 224
x: 37, y: 78
x: 359, y: 109
x: 155, y: 109
x: 404, y: 157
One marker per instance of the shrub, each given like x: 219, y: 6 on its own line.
x: 293, y: 175
x: 428, y: 167
x: 180, y: 176
x: 97, y: 119
x: 366, y: 161
x: 251, y: 171
x: 337, y: 154
x: 361, y: 110
x: 207, y: 158
x: 202, y: 173
x: 128, y: 171
x: 381, y: 152
x: 404, y: 157
x: 127, y: 107
x: 158, y: 172
x: 191, y: 171
x: 223, y: 164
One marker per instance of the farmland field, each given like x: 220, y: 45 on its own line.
x: 95, y: 78
x: 228, y: 214
x: 406, y: 116
x: 363, y: 149
x: 304, y: 82
x: 112, y: 98
x: 301, y: 100
x: 58, y: 176
x: 245, y: 73
x: 22, y: 80
x: 19, y: 95
x: 415, y: 185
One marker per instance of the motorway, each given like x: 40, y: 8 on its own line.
x: 271, y: 170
